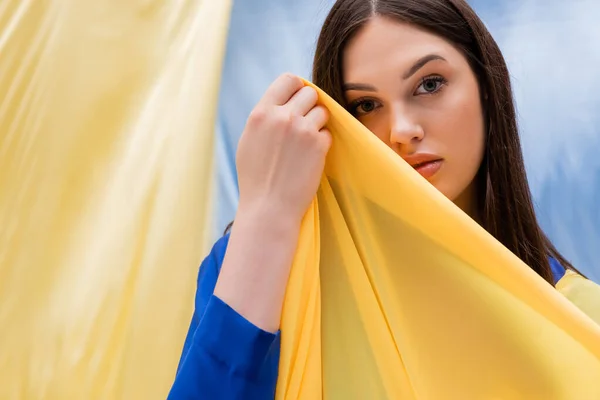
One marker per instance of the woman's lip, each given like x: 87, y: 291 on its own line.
x: 428, y: 169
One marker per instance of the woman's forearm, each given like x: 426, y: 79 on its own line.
x: 257, y: 264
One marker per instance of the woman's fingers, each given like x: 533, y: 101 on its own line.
x: 316, y: 118
x: 281, y: 90
x: 303, y: 101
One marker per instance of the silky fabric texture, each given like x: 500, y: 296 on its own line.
x: 396, y: 294
x: 581, y: 292
x: 106, y: 141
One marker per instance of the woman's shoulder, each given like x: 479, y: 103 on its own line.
x: 582, y: 292
x: 558, y: 271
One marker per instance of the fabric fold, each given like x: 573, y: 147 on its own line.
x: 417, y: 300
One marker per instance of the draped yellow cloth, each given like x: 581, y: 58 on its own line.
x: 106, y: 121
x: 106, y: 135
x: 396, y: 294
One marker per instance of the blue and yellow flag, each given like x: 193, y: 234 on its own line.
x: 106, y: 122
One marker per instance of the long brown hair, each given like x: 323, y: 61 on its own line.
x: 504, y: 199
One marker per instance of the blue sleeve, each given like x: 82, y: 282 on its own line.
x: 224, y: 356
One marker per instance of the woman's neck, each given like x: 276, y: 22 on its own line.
x: 467, y: 201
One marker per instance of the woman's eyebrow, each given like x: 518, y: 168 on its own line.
x: 421, y: 62
x: 359, y: 86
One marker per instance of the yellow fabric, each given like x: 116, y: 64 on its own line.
x: 582, y: 292
x: 396, y: 294
x: 106, y: 136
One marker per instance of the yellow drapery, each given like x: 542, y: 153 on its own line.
x: 396, y: 294
x: 106, y: 137
x: 105, y: 132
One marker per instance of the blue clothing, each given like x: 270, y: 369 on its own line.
x: 558, y: 271
x: 225, y: 357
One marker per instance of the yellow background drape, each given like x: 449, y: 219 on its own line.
x: 106, y: 136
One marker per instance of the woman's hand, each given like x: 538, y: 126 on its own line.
x: 280, y: 160
x: 281, y: 153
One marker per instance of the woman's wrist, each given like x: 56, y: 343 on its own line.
x: 257, y: 264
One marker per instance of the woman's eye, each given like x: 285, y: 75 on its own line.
x: 363, y: 107
x: 430, y: 85
x: 367, y: 106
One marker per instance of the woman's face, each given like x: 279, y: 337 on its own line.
x: 418, y: 94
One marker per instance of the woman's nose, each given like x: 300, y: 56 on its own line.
x: 405, y: 130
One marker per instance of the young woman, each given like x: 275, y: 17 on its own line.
x: 426, y: 78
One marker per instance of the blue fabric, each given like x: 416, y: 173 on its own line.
x: 224, y: 357
x: 558, y: 271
